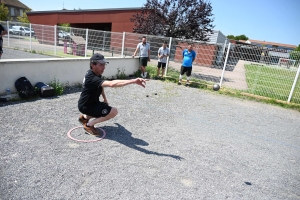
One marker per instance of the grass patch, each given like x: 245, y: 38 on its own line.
x: 272, y: 82
x: 60, y: 54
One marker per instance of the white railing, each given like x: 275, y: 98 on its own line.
x: 251, y: 69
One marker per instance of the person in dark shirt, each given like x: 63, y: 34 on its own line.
x: 3, y: 31
x: 93, y: 87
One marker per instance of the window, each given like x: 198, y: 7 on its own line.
x: 12, y: 11
x: 21, y: 12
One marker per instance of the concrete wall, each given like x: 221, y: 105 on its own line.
x: 66, y: 70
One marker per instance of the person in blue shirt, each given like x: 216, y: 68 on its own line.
x: 188, y: 56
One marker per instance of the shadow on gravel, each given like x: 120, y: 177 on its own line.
x: 69, y: 90
x: 32, y: 99
x: 123, y: 136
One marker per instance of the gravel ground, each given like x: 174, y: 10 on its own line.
x: 183, y: 143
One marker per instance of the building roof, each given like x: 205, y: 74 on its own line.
x: 14, y: 3
x: 83, y: 10
x: 273, y: 43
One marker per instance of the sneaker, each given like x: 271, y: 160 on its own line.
x: 187, y: 84
x: 82, y: 120
x: 91, y: 130
x: 179, y: 83
x: 145, y: 74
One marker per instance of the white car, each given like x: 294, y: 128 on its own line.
x: 14, y: 31
x: 64, y: 35
x: 26, y: 31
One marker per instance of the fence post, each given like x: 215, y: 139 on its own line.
x: 222, y: 76
x: 170, y: 43
x: 103, y: 45
x: 30, y: 37
x: 223, y: 49
x: 42, y: 34
x: 86, y: 41
x: 294, y: 84
x: 123, y: 42
x: 55, y: 40
x: 7, y: 23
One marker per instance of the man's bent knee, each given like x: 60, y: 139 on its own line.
x: 113, y: 112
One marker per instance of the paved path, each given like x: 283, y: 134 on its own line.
x: 183, y: 143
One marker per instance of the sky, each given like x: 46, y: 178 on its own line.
x: 266, y: 20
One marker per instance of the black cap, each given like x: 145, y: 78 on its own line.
x: 99, y: 58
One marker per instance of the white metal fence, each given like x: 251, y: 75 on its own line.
x: 272, y: 73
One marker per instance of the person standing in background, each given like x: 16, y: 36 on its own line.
x: 3, y: 31
x: 144, y: 49
x: 163, y: 54
x: 188, y: 56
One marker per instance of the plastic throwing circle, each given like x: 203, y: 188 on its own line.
x: 69, y: 135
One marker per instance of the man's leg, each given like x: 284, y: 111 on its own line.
x: 144, y: 64
x: 101, y: 112
x: 158, y: 68
x: 182, y: 70
x: 143, y: 71
x: 188, y: 74
x: 163, y: 69
x: 113, y: 112
x: 1, y: 50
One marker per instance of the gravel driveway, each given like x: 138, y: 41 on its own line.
x: 183, y: 143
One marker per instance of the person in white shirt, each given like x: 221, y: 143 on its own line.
x: 144, y: 49
x: 163, y: 53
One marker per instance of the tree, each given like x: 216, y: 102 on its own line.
x: 4, y: 13
x: 238, y: 37
x: 24, y: 18
x: 65, y: 27
x: 184, y: 19
x: 230, y: 37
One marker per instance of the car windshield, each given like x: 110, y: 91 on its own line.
x: 26, y: 29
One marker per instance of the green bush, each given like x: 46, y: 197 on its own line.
x: 121, y: 74
x: 58, y: 87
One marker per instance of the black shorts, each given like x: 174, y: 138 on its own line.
x: 99, y: 109
x: 161, y: 64
x: 143, y: 61
x: 188, y: 70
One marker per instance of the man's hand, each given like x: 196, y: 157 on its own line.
x: 148, y: 59
x: 141, y: 81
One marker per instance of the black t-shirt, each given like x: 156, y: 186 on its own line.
x: 92, y: 89
x: 1, y: 29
